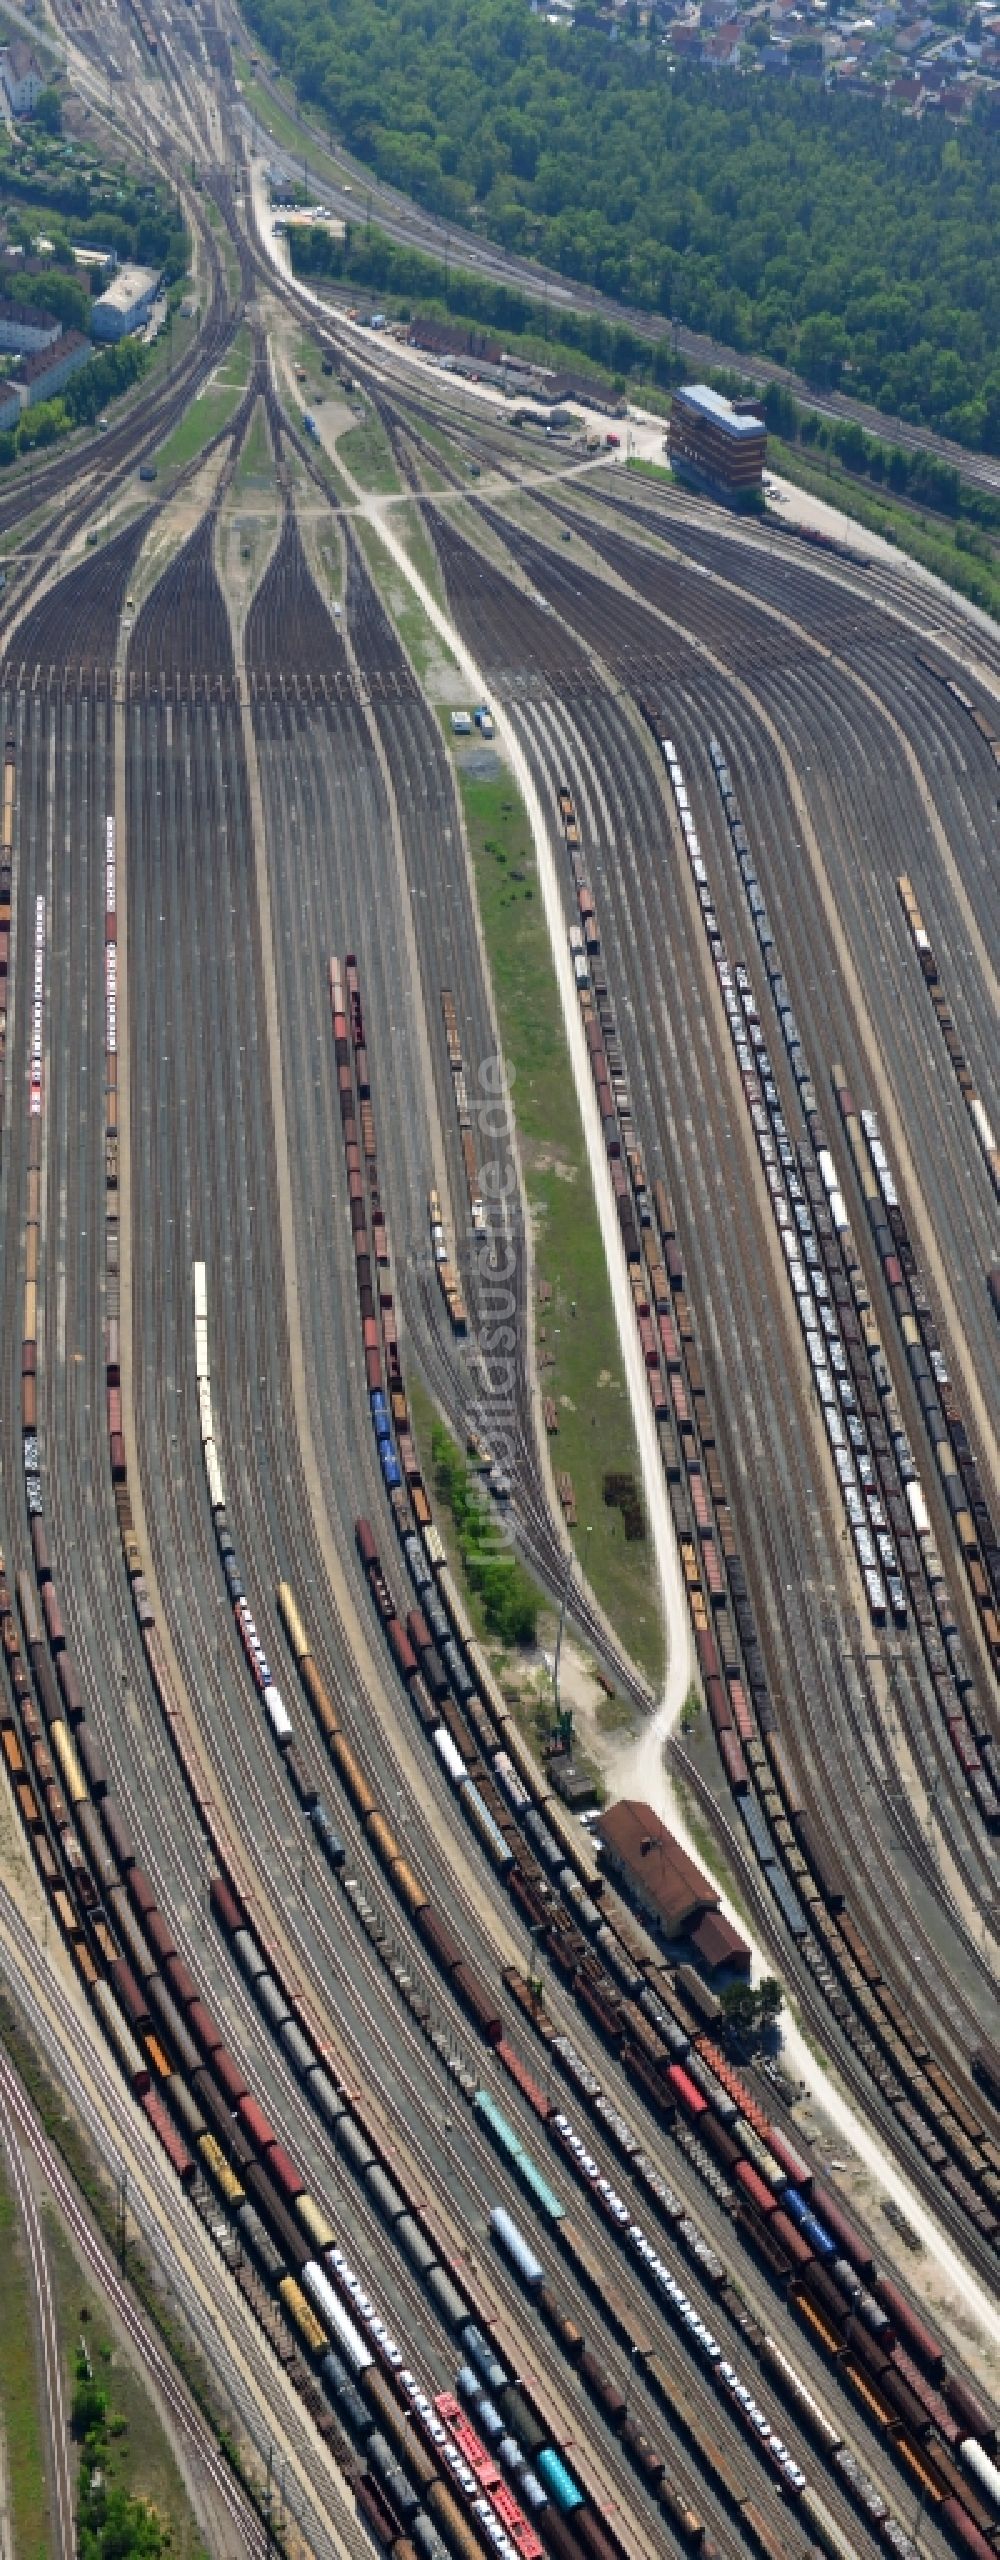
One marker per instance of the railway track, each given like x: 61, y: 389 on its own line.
x: 199, y: 801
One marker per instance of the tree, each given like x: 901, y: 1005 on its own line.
x: 68, y: 300
x: 750, y: 2014
x: 822, y: 348
x: 48, y: 111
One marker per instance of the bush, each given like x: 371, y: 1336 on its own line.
x: 48, y: 111
x: 509, y: 1597
x: 90, y: 2407
x: 41, y: 426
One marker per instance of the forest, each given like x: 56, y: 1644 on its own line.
x: 824, y: 230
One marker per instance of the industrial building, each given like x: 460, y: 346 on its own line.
x: 126, y: 305
x: 717, y: 444
x: 674, y: 1899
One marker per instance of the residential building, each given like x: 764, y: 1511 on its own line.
x: 127, y: 303
x: 10, y: 408
x: 43, y: 376
x: 22, y: 77
x: 719, y: 444
x: 24, y: 330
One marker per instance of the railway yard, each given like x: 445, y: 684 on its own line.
x: 492, y: 2238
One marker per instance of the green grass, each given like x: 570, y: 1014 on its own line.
x: 974, y: 570
x: 20, y: 2406
x: 577, y: 1327
x: 256, y: 463
x: 409, y: 523
x: 431, y: 656
x: 530, y: 1698
x: 614, y: 1715
x: 278, y: 126
x: 211, y: 411
x: 366, y: 454
x: 139, y: 2459
x: 649, y: 470
x: 90, y: 2175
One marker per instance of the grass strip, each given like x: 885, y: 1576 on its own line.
x: 93, y: 2185
x: 959, y: 554
x: 132, y: 2497
x: 255, y: 467
x: 20, y: 2382
x: 436, y: 668
x: 577, y: 1344
x: 366, y: 453
x: 211, y: 411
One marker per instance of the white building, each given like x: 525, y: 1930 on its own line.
x: 23, y: 330
x: 42, y: 377
x: 126, y: 305
x: 22, y: 77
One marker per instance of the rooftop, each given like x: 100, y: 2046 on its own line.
x: 25, y: 316
x: 129, y: 286
x: 31, y: 367
x: 664, y: 1874
x: 713, y: 406
x: 718, y: 1943
x: 22, y: 60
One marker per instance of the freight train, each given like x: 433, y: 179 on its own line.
x: 152, y: 2006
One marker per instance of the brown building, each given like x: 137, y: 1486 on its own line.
x: 719, y: 444
x: 590, y: 391
x: 718, y: 1945
x: 676, y: 1901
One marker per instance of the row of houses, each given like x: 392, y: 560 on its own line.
x: 49, y: 355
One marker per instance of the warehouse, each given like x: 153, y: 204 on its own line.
x: 718, y: 444
x: 655, y: 1874
x: 637, y: 1847
x: 126, y: 305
